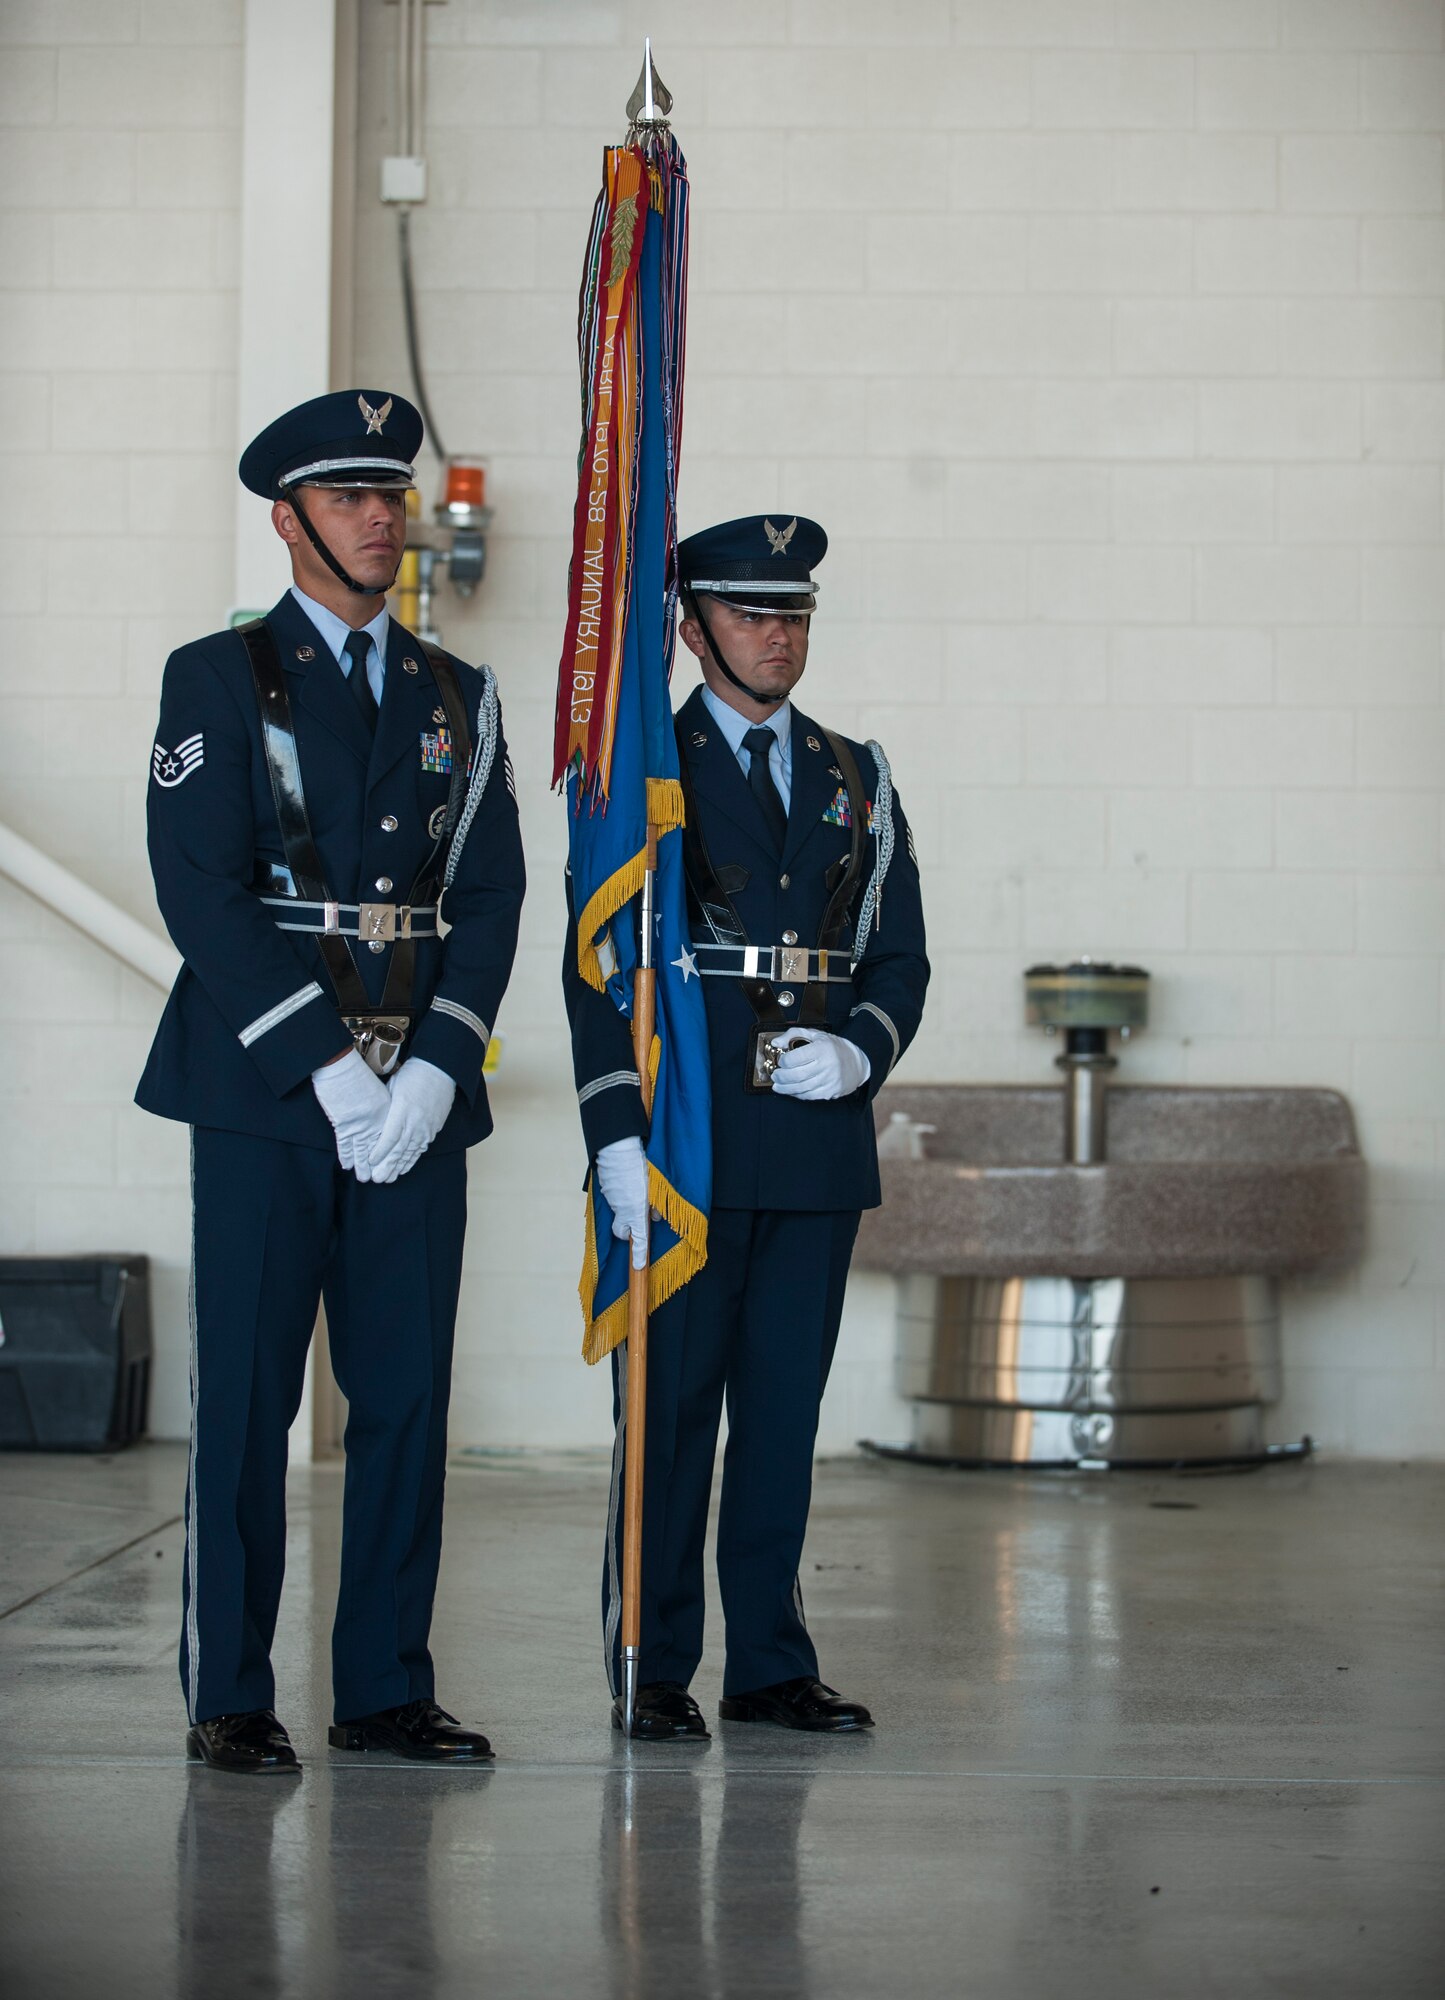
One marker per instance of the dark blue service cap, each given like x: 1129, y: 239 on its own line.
x: 356, y: 437
x: 762, y: 563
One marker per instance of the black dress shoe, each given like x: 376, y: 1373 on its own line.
x: 252, y: 1742
x: 797, y: 1704
x: 663, y: 1710
x: 419, y: 1730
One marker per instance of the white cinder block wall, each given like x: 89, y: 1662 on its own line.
x: 119, y: 188
x: 1105, y: 337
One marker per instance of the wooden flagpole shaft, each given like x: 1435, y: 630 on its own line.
x: 644, y: 1010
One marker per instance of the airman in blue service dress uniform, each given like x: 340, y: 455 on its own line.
x: 320, y: 781
x: 807, y: 930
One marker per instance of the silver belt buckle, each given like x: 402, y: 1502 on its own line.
x: 795, y: 964
x: 378, y: 921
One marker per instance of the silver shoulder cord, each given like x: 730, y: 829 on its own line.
x: 482, y: 761
x: 871, y: 910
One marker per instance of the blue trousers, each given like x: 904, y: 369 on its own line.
x: 755, y: 1330
x: 277, y: 1227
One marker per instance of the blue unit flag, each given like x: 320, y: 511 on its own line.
x: 608, y: 831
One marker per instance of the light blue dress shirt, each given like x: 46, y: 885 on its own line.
x: 735, y: 727
x: 335, y: 631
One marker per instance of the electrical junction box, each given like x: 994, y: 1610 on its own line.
x: 403, y: 178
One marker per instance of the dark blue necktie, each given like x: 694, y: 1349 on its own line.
x: 359, y: 681
x: 759, y: 744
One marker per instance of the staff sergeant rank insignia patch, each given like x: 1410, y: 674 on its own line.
x: 436, y: 752
x: 172, y: 767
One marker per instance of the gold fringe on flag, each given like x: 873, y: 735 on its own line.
x: 665, y: 811
x: 668, y: 1274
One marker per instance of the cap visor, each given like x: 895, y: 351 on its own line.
x: 748, y: 597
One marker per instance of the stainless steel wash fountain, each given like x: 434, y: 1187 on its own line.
x: 1060, y: 1303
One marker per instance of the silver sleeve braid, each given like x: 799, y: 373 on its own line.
x: 871, y: 909
x: 483, y: 757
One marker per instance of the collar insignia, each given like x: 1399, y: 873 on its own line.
x: 374, y: 418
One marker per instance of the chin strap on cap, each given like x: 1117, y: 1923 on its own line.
x: 292, y: 496
x: 717, y: 653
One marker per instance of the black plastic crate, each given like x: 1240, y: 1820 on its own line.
x: 75, y: 1352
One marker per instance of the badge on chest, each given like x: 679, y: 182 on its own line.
x: 436, y: 751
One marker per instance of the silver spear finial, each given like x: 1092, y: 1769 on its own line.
x: 651, y: 101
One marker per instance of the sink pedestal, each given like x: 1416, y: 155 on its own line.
x: 1044, y: 1370
x: 1162, y: 1341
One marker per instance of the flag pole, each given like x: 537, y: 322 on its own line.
x: 644, y: 1003
x: 648, y: 105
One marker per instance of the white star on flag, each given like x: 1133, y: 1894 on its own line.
x: 687, y: 965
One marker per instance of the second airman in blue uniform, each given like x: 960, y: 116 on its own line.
x: 807, y: 930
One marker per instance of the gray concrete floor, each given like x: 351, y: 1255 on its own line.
x: 1137, y: 1736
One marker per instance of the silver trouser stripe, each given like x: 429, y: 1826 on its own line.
x: 467, y: 1018
x: 193, y: 1629
x: 610, y: 1082
x: 771, y: 961
x: 264, y: 1023
x: 613, y: 1616
x: 867, y: 1007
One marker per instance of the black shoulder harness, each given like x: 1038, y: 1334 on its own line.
x: 283, y: 765
x: 712, y: 901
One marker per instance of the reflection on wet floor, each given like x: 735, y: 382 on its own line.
x: 1122, y: 1748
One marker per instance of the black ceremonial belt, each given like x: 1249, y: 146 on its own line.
x: 718, y: 911
x: 378, y: 1030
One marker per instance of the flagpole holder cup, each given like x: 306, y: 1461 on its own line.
x: 765, y: 1049
x: 379, y: 1039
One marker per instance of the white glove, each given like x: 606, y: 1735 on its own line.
x: 817, y: 1065
x: 622, y: 1178
x: 354, y: 1099
x: 420, y: 1097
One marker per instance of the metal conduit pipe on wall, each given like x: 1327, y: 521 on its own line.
x: 121, y: 934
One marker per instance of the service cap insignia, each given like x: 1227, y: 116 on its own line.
x: 375, y: 416
x: 778, y: 540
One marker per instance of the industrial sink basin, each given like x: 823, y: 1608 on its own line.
x: 1120, y: 1312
